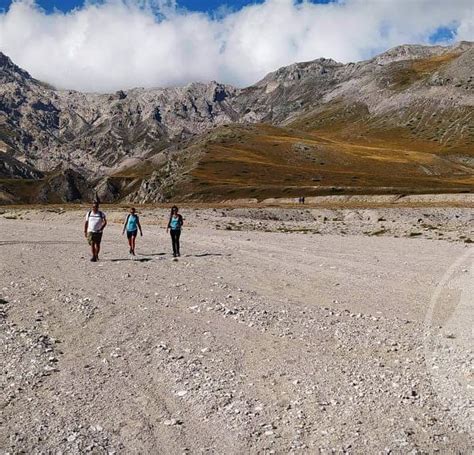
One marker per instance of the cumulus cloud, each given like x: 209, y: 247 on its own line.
x: 128, y: 43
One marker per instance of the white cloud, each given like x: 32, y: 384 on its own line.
x: 127, y: 43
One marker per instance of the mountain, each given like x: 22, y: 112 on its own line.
x: 401, y: 122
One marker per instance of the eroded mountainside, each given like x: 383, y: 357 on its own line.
x: 400, y: 122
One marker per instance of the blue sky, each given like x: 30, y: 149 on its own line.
x: 194, y: 5
x: 443, y: 34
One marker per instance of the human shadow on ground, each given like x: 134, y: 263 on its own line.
x: 130, y: 259
x: 152, y: 254
x: 202, y: 255
x: 39, y: 242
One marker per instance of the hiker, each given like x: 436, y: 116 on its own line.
x: 93, y: 229
x: 132, y: 225
x: 174, y: 226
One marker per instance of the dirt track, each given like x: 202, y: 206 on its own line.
x: 253, y: 342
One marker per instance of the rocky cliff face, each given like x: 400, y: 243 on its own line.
x: 121, y: 143
x: 11, y: 168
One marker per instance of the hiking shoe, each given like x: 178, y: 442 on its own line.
x: 93, y: 259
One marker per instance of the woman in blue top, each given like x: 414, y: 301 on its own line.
x: 174, y: 226
x: 131, y: 225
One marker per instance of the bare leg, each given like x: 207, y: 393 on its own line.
x: 133, y: 244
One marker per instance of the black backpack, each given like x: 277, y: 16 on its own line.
x: 101, y: 214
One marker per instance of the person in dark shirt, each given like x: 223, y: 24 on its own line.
x: 175, y: 224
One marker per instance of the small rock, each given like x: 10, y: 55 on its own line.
x: 171, y: 422
x: 72, y: 437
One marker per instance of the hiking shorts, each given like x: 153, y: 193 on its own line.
x: 94, y: 237
x: 131, y: 234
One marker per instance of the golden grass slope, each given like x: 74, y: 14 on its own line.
x: 261, y: 161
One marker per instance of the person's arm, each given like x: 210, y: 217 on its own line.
x: 139, y: 226
x: 86, y: 225
x: 104, y: 223
x: 169, y: 225
x: 181, y: 220
x: 125, y: 224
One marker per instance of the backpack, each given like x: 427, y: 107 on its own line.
x: 101, y: 214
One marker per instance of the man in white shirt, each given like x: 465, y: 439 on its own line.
x: 93, y: 228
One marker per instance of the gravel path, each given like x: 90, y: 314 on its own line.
x: 253, y: 342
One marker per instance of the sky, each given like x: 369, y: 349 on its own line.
x: 106, y: 45
x: 209, y: 6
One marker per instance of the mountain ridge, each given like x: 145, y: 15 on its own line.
x: 414, y: 94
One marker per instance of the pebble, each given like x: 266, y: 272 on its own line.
x: 171, y: 422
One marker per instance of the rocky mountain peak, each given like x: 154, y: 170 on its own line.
x: 9, y: 72
x: 299, y: 71
x: 418, y: 51
x: 463, y: 46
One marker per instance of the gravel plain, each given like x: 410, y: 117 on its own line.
x: 279, y: 330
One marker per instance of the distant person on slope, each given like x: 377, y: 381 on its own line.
x: 174, y: 226
x: 132, y: 225
x: 93, y: 229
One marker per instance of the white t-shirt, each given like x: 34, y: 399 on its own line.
x: 95, y: 221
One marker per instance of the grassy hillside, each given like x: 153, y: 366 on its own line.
x: 331, y: 152
x: 265, y: 161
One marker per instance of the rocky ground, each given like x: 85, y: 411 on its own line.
x: 297, y: 330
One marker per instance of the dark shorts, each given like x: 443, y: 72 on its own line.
x: 94, y: 237
x: 131, y: 234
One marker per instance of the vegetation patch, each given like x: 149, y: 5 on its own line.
x: 409, y: 73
